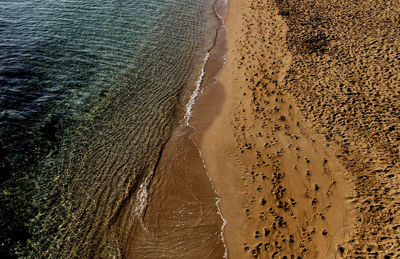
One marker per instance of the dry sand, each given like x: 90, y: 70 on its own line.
x: 305, y: 150
x: 345, y: 76
x: 283, y: 190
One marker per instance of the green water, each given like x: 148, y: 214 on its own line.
x: 89, y: 91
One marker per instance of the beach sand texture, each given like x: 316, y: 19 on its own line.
x: 345, y: 77
x: 305, y: 150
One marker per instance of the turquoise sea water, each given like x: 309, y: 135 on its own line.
x: 89, y: 92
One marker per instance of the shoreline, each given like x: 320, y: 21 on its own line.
x: 193, y: 96
x: 253, y: 168
x: 182, y: 204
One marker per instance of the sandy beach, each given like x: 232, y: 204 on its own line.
x: 302, y: 144
x: 200, y: 129
x: 292, y: 150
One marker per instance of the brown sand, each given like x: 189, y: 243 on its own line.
x: 284, y: 192
x: 309, y: 124
x: 181, y: 220
x: 345, y: 77
x: 300, y: 136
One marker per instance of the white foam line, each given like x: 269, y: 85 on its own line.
x: 218, y: 200
x: 142, y: 197
x: 187, y: 117
x: 195, y: 93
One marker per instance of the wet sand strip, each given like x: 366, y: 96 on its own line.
x: 182, y: 218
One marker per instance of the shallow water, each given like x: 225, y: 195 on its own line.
x: 89, y: 92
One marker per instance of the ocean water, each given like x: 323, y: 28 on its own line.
x: 89, y: 94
